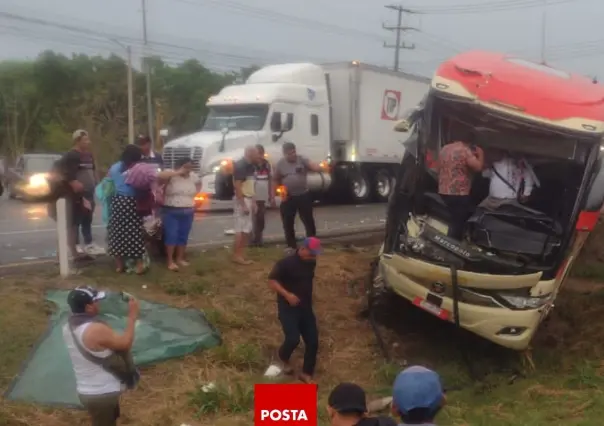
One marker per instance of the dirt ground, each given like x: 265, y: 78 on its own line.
x: 490, y: 387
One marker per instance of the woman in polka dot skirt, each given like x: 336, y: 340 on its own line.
x: 125, y: 228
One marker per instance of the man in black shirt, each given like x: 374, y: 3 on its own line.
x: 292, y: 279
x: 80, y: 180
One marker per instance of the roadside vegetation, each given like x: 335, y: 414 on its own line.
x: 498, y: 389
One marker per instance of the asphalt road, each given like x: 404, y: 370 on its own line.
x: 28, y: 235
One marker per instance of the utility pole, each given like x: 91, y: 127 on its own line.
x: 400, y: 29
x: 130, y: 91
x: 147, y: 66
x: 130, y: 98
x: 544, y: 32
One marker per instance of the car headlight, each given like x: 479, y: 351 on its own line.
x: 38, y: 180
x: 525, y: 302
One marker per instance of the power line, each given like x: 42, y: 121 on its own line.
x: 147, y: 67
x: 283, y: 18
x: 485, y: 7
x: 79, y: 31
x: 399, y: 29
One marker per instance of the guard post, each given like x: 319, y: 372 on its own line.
x: 62, y: 238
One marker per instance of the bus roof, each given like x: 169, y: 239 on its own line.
x: 525, y: 89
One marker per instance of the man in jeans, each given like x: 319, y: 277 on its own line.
x: 264, y: 195
x: 291, y: 171
x: 74, y: 173
x: 90, y: 344
x: 292, y: 279
x: 86, y: 174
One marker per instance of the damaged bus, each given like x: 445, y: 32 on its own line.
x: 501, y: 279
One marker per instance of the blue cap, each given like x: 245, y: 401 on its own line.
x: 417, y: 387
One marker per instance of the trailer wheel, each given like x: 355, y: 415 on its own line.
x: 383, y: 185
x: 360, y: 188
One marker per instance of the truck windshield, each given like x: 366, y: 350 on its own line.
x: 250, y: 117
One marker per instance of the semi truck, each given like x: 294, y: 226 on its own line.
x: 338, y: 115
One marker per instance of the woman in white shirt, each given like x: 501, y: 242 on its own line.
x: 178, y: 212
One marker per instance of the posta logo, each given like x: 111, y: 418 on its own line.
x: 279, y: 404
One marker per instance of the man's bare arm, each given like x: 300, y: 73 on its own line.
x: 107, y: 338
x: 238, y: 184
x: 476, y: 162
x: 277, y: 288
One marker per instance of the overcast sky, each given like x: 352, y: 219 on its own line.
x: 227, y: 34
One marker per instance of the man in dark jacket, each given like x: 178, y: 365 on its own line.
x: 347, y: 406
x: 149, y: 156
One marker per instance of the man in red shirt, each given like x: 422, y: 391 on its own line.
x: 457, y: 162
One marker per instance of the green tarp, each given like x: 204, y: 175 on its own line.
x: 162, y: 332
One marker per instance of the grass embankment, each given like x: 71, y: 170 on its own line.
x: 565, y: 389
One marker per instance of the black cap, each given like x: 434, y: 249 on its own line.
x: 80, y: 297
x: 348, y: 398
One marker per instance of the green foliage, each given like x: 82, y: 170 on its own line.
x: 43, y: 101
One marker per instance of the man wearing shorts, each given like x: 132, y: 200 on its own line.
x: 244, y: 209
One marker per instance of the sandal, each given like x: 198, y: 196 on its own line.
x: 173, y: 267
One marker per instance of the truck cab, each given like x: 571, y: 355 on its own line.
x: 278, y: 103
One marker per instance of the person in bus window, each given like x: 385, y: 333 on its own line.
x: 457, y: 162
x: 511, y: 179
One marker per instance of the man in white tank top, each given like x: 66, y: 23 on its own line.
x: 99, y: 390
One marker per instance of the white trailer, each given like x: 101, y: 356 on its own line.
x: 340, y: 115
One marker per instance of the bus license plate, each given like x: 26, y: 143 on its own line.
x: 429, y: 307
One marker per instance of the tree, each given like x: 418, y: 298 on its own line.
x: 43, y: 101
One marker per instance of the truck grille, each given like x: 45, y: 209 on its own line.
x: 172, y: 155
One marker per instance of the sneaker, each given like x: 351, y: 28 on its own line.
x: 94, y: 250
x: 80, y: 249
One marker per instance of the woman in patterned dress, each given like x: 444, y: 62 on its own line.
x: 125, y: 228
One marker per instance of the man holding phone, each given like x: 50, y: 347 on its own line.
x: 93, y: 346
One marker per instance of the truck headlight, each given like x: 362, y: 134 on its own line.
x: 525, y: 302
x: 220, y: 166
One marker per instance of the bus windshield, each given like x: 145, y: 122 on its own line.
x: 248, y: 117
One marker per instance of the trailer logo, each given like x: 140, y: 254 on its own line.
x: 391, y: 104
